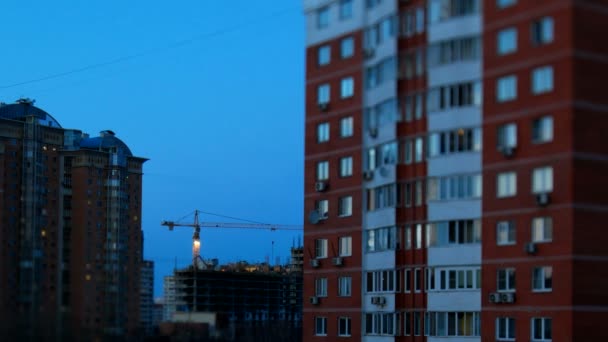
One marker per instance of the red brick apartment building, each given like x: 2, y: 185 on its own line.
x: 70, y: 229
x: 455, y: 170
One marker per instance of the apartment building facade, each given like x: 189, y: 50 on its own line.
x: 452, y: 170
x: 70, y: 218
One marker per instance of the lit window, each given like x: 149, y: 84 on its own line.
x: 323, y: 17
x: 542, y: 80
x: 542, y: 129
x: 346, y: 9
x: 321, y: 287
x: 322, y: 170
x: 507, y: 135
x: 542, y: 279
x: 542, y: 330
x: 320, y: 248
x: 321, y: 326
x: 346, y: 167
x: 542, y: 229
x: 346, y: 244
x: 505, y: 233
x: 542, y: 31
x: 345, y: 206
x: 323, y: 93
x: 506, y: 88
x: 324, y: 55
x: 344, y: 286
x: 347, y: 47
x: 542, y: 180
x: 323, y: 132
x: 506, y: 280
x: 506, y: 184
x: 347, y: 87
x: 346, y: 127
x: 505, y: 329
x: 506, y: 41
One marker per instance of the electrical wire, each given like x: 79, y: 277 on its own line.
x: 170, y: 46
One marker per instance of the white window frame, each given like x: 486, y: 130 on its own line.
x: 345, y: 246
x: 347, y: 87
x: 320, y: 248
x: 323, y: 132
x: 542, y: 180
x: 345, y: 286
x: 322, y: 323
x: 545, y: 272
x: 543, y: 321
x: 506, y: 274
x: 345, y: 207
x: 543, y: 80
x: 506, y: 184
x: 321, y: 287
x: 346, y: 127
x: 506, y: 88
x: 508, y: 322
x: 506, y: 229
x: 506, y: 41
x: 346, y: 166
x: 322, y: 170
x: 542, y: 229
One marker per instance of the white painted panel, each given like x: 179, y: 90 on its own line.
x: 378, y: 261
x: 379, y: 218
x: 454, y: 301
x: 461, y: 255
x: 377, y: 338
x: 388, y: 307
x: 454, y: 73
x: 469, y: 162
x: 450, y: 210
x: 337, y: 27
x: 457, y: 27
x: 453, y: 339
x: 454, y: 118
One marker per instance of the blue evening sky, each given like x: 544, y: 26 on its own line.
x: 221, y: 117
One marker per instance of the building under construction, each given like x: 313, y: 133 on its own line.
x: 257, y: 301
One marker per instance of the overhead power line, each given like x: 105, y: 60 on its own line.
x: 170, y: 46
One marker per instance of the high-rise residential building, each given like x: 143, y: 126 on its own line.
x: 453, y: 170
x: 146, y: 301
x: 70, y: 236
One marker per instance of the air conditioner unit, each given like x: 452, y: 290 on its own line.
x: 320, y: 186
x: 507, y: 151
x: 373, y: 132
x: 314, y: 263
x: 543, y: 199
x: 323, y: 106
x: 507, y: 297
x: 495, y: 297
x: 530, y: 248
x: 368, y: 174
x: 369, y: 52
x: 314, y: 300
x: 378, y: 300
x: 337, y: 261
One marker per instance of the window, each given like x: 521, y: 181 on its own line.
x: 505, y: 233
x: 418, y: 236
x: 347, y: 47
x: 454, y: 187
x: 506, y: 41
x: 347, y: 87
x: 382, y: 281
x: 324, y: 55
x: 321, y: 326
x: 542, y: 279
x: 507, y: 135
x: 448, y: 324
x: 506, y: 88
x: 419, y: 149
x: 542, y: 180
x: 505, y: 3
x: 344, y: 286
x: 505, y: 329
x: 381, y: 197
x: 454, y: 279
x: 323, y: 94
x: 407, y: 327
x: 542, y: 80
x: 345, y: 246
x: 346, y: 167
x: 441, y: 10
x: 408, y: 237
x: 417, y: 322
x: 506, y: 184
x: 345, y: 206
x: 378, y: 323
x: 542, y: 229
x: 320, y: 248
x: 346, y: 127
x: 408, y: 280
x: 323, y: 17
x: 506, y: 280
x: 382, y: 239
x: 455, y: 232
x: 454, y: 51
x: 344, y: 326
x: 542, y: 31
x: 419, y: 20
x: 322, y: 170
x: 321, y: 287
x: 323, y: 132
x: 346, y: 9
x: 454, y: 141
x: 418, y: 193
x: 417, y: 280
x: 323, y: 208
x: 454, y: 96
x: 541, y: 329
x: 542, y: 129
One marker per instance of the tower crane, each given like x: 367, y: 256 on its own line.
x: 196, y: 225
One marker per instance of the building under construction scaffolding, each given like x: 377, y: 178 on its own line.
x: 254, y: 299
